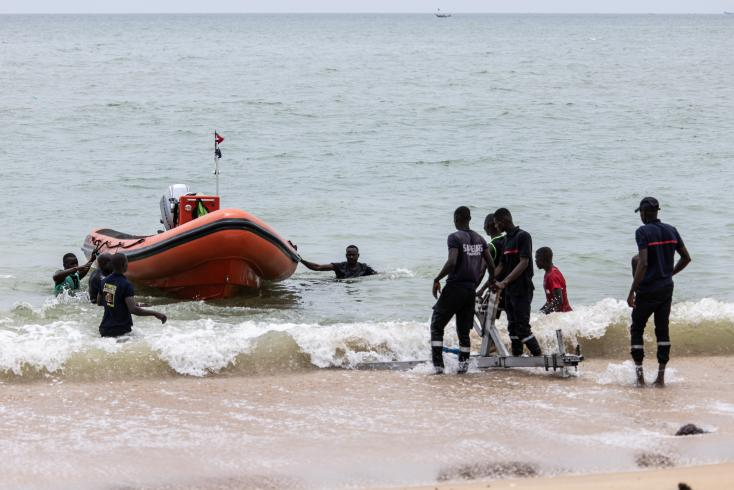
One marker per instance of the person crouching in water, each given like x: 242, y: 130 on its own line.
x: 556, y: 296
x: 69, y: 278
x: 344, y: 270
x: 468, y: 253
x: 517, y: 284
x: 118, y: 298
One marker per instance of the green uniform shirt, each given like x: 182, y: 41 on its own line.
x: 70, y: 283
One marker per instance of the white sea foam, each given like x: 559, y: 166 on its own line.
x: 624, y: 374
x: 36, y: 340
x: 39, y: 347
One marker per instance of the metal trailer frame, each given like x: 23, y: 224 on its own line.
x: 484, y: 325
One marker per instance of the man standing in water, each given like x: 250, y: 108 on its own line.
x: 517, y: 286
x: 465, y: 265
x: 554, y: 284
x: 118, y: 298
x: 344, y: 270
x: 104, y: 269
x: 652, y: 287
x: 496, y: 250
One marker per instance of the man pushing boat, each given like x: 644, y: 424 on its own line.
x: 344, y: 270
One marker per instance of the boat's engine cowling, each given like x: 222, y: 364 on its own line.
x: 169, y: 204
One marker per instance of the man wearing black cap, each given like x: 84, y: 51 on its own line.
x: 652, y: 287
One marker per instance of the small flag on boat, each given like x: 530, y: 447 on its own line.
x: 217, y: 152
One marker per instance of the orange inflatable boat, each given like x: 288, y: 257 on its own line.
x: 204, y: 253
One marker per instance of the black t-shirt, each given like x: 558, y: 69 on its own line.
x: 469, y: 265
x: 343, y: 271
x: 661, y: 241
x: 497, y: 248
x: 518, y: 244
x: 95, y: 285
x: 117, y: 319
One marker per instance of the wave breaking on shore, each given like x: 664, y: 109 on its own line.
x: 50, y: 342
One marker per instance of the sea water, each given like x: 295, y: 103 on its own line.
x: 366, y: 130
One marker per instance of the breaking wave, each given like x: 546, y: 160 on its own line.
x: 50, y: 342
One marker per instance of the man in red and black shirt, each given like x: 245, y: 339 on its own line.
x: 517, y: 269
x: 652, y: 288
x: 556, y: 296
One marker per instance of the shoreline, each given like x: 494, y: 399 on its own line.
x: 700, y: 477
x: 372, y: 429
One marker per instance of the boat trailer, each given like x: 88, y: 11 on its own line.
x: 493, y: 353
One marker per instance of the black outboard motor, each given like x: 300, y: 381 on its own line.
x: 169, y: 204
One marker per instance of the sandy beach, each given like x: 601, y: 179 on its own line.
x: 705, y: 477
x: 343, y: 428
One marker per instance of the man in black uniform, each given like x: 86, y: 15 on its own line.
x: 496, y: 249
x: 517, y: 286
x: 652, y: 287
x: 344, y: 270
x: 467, y: 254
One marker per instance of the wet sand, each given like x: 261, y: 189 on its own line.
x: 705, y: 477
x: 338, y: 428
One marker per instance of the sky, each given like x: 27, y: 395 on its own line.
x: 388, y: 6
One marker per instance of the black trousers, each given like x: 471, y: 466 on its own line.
x: 656, y: 304
x: 517, y: 309
x: 454, y: 300
x: 115, y: 331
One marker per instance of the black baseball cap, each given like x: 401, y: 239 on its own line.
x: 648, y: 203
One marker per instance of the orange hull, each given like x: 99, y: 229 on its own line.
x: 210, y: 257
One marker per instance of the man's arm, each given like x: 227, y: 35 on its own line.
x: 684, y: 260
x: 555, y: 303
x: 496, y: 272
x: 639, y: 276
x: 489, y: 262
x: 83, y: 270
x: 317, y: 267
x: 447, y: 268
x: 60, y: 275
x: 138, y: 311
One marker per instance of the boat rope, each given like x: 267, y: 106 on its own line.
x: 99, y: 243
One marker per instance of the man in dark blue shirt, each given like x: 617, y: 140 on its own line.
x: 118, y: 298
x: 517, y: 286
x: 652, y: 287
x: 468, y: 253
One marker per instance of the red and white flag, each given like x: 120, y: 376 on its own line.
x: 217, y: 138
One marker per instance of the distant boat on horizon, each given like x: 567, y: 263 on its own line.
x: 442, y: 14
x: 728, y: 13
